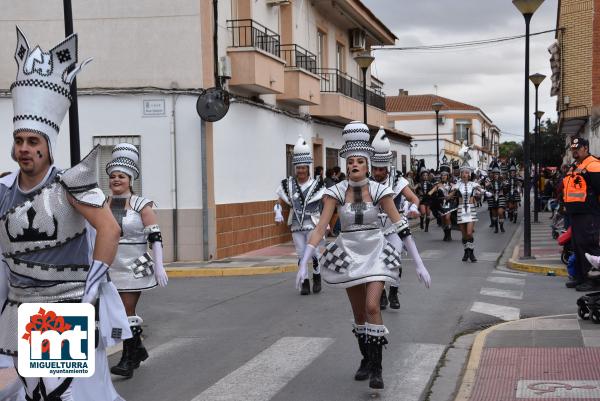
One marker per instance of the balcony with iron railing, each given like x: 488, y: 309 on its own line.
x: 342, y: 99
x: 254, y: 52
x: 301, y: 79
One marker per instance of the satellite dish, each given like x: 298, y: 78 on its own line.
x: 212, y: 104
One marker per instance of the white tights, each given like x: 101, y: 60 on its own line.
x: 300, y: 239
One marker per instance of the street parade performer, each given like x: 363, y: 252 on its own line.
x: 47, y: 215
x: 302, y: 194
x: 467, y: 190
x: 360, y: 260
x: 134, y: 270
x: 383, y: 173
x: 441, y: 191
x: 496, y: 197
x: 514, y: 184
x: 422, y: 189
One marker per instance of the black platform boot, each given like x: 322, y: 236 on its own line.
x: 316, y: 277
x: 466, y: 255
x: 515, y: 217
x: 491, y: 218
x: 305, y: 290
x: 383, y: 301
x: 140, y: 353
x: 394, y: 302
x: 501, y: 226
x: 427, y: 224
x: 364, y: 370
x: 495, y: 226
x: 375, y: 346
x: 125, y: 366
x: 471, y: 245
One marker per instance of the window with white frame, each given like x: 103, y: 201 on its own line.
x: 340, y: 59
x: 321, y: 48
x: 463, y: 128
x: 107, y: 143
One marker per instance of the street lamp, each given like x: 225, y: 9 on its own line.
x: 536, y: 80
x: 364, y: 61
x: 527, y: 8
x: 437, y: 106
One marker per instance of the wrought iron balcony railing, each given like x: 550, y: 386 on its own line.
x: 296, y: 56
x: 335, y: 81
x: 249, y: 33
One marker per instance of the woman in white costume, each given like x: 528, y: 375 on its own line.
x: 360, y: 260
x: 466, y: 190
x: 133, y: 269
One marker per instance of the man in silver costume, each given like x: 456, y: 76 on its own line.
x: 303, y: 195
x: 46, y: 215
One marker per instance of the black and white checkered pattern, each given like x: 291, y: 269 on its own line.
x: 335, y: 258
x: 392, y: 257
x: 143, y: 266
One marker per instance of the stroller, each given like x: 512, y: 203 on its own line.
x: 564, y: 240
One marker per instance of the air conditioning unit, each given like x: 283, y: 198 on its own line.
x: 441, y: 120
x: 358, y: 39
x: 278, y: 2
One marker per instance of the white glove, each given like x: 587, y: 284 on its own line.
x: 422, y: 272
x: 278, y: 215
x: 413, y: 211
x: 96, y: 275
x: 302, y: 275
x: 488, y: 194
x: 159, y: 269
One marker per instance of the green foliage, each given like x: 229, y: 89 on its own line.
x: 510, y: 150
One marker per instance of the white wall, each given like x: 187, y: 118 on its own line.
x: 133, y: 42
x: 122, y: 116
x: 249, y: 151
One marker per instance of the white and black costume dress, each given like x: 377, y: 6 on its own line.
x: 466, y: 212
x: 132, y: 268
x: 360, y: 254
x: 513, y: 185
x: 498, y: 198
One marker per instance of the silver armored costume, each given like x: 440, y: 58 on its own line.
x: 466, y: 212
x: 132, y: 268
x: 361, y: 253
x: 304, y: 201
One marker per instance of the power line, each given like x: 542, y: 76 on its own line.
x: 460, y: 45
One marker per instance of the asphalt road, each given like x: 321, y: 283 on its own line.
x: 255, y: 338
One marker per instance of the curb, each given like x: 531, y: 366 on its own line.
x: 470, y: 373
x: 546, y: 270
x: 230, y: 271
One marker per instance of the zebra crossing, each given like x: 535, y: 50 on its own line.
x: 494, y: 299
x: 408, y: 370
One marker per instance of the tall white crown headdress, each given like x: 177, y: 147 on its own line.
x: 125, y: 158
x: 383, y: 155
x: 41, y: 92
x: 302, y: 154
x: 356, y: 135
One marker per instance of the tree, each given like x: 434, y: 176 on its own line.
x: 552, y: 145
x: 509, y: 150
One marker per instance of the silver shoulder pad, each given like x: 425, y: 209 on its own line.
x: 137, y: 203
x: 81, y: 183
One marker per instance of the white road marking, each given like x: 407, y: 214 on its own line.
x: 411, y: 370
x: 498, y: 271
x: 497, y: 292
x: 500, y: 311
x: 268, y: 372
x: 507, y: 280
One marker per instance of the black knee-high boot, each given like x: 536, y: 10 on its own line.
x: 364, y: 370
x: 495, y: 225
x: 375, y: 348
x: 394, y: 301
x: 125, y: 366
x: 491, y: 218
x: 471, y: 245
x: 427, y: 220
x: 316, y: 276
x: 501, y: 223
x: 466, y: 255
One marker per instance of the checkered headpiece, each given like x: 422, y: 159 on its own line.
x: 383, y: 155
x: 356, y: 135
x: 302, y: 155
x: 125, y: 158
x: 41, y: 92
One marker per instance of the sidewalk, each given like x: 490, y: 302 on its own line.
x: 544, y: 249
x: 544, y: 358
x: 274, y: 259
